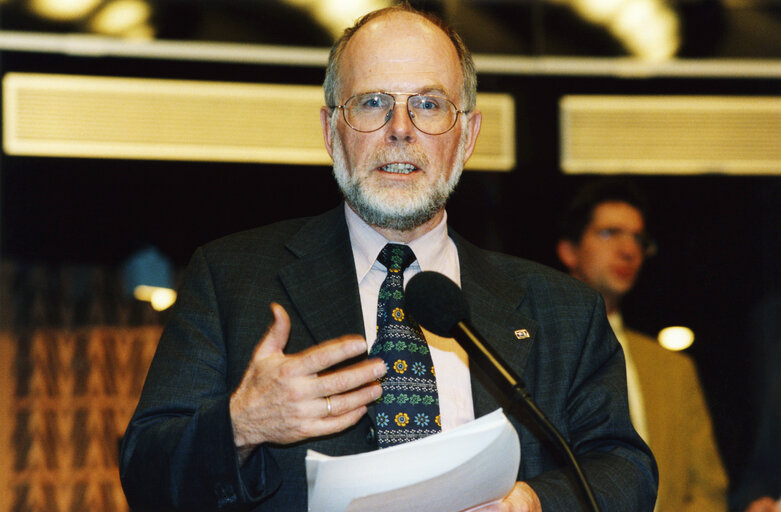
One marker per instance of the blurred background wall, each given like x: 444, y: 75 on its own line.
x: 214, y: 129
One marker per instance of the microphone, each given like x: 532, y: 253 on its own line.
x: 439, y: 305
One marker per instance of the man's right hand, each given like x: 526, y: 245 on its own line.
x: 287, y: 398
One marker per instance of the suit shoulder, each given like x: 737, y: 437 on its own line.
x: 544, y: 292
x: 256, y: 240
x: 535, y: 276
x: 287, y: 237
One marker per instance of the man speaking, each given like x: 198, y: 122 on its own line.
x: 284, y: 337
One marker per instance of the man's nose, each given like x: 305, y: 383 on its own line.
x: 629, y: 246
x: 400, y: 126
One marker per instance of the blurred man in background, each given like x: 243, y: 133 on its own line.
x: 604, y: 243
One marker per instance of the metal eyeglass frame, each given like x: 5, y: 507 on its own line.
x: 389, y: 114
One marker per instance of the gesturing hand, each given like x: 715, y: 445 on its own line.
x: 287, y: 398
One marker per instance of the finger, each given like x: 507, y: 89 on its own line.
x: 523, y: 499
x: 351, y: 377
x: 277, y: 333
x: 493, y: 506
x: 345, y: 402
x: 328, y: 353
x: 328, y: 411
x: 333, y: 424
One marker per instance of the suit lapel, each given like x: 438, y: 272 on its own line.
x: 654, y: 399
x: 494, y: 300
x: 321, y: 283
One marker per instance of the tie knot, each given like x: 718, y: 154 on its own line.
x: 396, y: 257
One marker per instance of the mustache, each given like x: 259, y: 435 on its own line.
x: 413, y: 155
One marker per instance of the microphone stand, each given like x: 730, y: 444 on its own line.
x: 492, y: 364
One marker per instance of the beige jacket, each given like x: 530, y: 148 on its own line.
x: 680, y: 432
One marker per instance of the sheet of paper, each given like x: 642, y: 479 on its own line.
x: 459, y: 469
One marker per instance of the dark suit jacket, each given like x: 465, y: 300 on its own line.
x: 178, y: 451
x: 762, y: 475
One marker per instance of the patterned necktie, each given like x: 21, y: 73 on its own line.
x: 409, y: 406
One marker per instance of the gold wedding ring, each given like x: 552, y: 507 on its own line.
x: 328, y: 406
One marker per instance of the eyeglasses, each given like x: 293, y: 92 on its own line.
x: 644, y: 242
x: 368, y: 112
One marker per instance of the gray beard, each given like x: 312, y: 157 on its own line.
x: 376, y: 214
x: 389, y: 208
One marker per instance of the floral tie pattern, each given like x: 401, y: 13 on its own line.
x: 409, y: 406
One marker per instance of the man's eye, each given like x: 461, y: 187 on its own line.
x: 427, y: 103
x: 609, y: 232
x: 374, y: 102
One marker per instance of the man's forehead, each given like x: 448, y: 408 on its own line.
x: 616, y: 212
x: 401, y: 49
x: 407, y: 81
x: 382, y: 35
x: 395, y: 20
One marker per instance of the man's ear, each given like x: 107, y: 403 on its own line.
x: 568, y: 253
x: 472, y: 130
x: 328, y: 136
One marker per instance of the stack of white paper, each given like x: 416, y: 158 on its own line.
x: 474, y: 464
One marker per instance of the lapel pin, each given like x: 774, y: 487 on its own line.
x: 522, y: 334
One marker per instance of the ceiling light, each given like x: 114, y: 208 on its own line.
x: 647, y: 28
x: 63, y: 10
x: 160, y: 298
x: 676, y: 338
x: 121, y: 16
x: 598, y: 11
x: 148, y: 276
x: 336, y: 15
x: 143, y: 32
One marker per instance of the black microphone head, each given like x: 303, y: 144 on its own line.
x: 435, y: 302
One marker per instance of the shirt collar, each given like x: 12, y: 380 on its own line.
x: 367, y: 244
x: 616, y: 321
